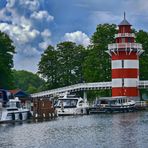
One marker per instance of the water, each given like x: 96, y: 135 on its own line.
x: 123, y: 130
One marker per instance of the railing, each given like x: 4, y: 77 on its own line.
x: 76, y: 87
x: 83, y: 86
x: 141, y: 104
x: 125, y: 35
x: 124, y: 46
x: 143, y: 84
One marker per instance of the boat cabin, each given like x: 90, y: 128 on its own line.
x: 118, y: 101
x: 69, y: 101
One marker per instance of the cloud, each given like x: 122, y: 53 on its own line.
x: 30, y: 51
x: 77, y: 37
x: 136, y: 7
x: 25, y: 63
x: 44, y: 45
x: 42, y: 15
x: 46, y: 35
x: 104, y: 17
x: 30, y: 4
x: 20, y: 33
x: 21, y: 19
x: 10, y: 3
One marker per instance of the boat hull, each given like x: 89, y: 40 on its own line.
x: 71, y: 111
x: 9, y: 116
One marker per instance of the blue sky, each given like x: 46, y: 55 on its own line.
x: 34, y: 24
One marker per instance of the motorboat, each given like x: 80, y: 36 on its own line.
x: 109, y: 104
x: 71, y: 105
x: 117, y: 102
x: 11, y: 109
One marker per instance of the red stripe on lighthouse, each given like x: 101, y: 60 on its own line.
x: 125, y: 73
x: 129, y: 91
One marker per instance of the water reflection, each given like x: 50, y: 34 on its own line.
x: 125, y: 129
x: 94, y: 131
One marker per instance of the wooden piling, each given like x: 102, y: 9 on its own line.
x: 43, y: 109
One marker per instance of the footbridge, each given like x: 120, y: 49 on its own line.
x: 74, y: 88
x: 83, y: 86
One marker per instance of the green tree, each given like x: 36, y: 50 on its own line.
x: 142, y: 37
x: 97, y: 64
x: 62, y: 66
x: 28, y: 81
x: 49, y: 67
x: 7, y: 51
x: 71, y: 57
x: 97, y: 67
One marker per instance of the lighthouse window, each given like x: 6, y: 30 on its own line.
x: 129, y: 40
x: 123, y: 40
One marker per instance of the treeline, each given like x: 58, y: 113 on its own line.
x: 68, y: 63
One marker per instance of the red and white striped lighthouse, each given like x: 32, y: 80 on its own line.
x: 125, y: 62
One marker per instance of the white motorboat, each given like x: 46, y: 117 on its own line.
x: 71, y: 105
x: 11, y: 109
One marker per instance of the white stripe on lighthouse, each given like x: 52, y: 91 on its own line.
x: 116, y: 82
x: 131, y: 64
x: 127, y: 82
x: 130, y: 82
x: 118, y: 64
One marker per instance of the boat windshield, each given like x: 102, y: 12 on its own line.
x: 14, y: 104
x: 66, y: 103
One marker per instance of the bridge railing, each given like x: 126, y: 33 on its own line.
x: 143, y: 84
x: 73, y: 88
x: 83, y: 86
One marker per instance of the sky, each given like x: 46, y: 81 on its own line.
x: 35, y: 24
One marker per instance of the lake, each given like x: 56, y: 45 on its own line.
x: 120, y: 130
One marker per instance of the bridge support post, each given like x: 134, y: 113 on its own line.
x: 85, y: 95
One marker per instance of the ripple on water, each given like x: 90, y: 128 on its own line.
x: 127, y: 130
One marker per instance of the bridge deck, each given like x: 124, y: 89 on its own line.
x: 83, y: 86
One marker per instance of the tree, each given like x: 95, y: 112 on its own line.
x: 71, y: 57
x: 97, y: 64
x: 62, y: 66
x: 97, y: 67
x: 49, y: 67
x: 28, y: 81
x: 142, y: 37
x: 7, y: 51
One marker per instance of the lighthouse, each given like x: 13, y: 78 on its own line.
x: 125, y: 62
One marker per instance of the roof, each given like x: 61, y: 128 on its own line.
x: 124, y: 22
x: 18, y: 93
x: 14, y: 91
